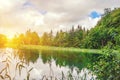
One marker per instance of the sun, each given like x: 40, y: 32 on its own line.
x: 9, y: 37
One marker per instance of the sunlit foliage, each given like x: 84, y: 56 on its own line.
x: 3, y: 40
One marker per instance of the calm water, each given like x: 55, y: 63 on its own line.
x: 45, y: 65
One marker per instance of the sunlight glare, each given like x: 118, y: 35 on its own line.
x: 10, y: 37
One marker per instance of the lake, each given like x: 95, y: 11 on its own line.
x: 27, y: 64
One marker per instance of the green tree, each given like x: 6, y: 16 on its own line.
x: 107, y: 30
x: 107, y: 67
x: 31, y: 38
x: 61, y: 39
x: 44, y: 39
x: 50, y: 38
x: 35, y: 38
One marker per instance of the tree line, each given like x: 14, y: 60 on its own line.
x: 72, y: 38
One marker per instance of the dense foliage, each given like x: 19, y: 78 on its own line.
x: 29, y: 38
x: 106, y: 32
x: 72, y: 38
x: 107, y: 67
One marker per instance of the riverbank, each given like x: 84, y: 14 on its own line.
x: 96, y: 51
x: 63, y: 49
x: 68, y: 49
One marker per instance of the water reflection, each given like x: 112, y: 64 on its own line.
x: 28, y: 55
x: 79, y: 60
x: 44, y: 65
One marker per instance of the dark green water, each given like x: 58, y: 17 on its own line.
x: 45, y: 65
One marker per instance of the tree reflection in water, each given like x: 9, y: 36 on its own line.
x: 70, y: 59
x: 48, y: 65
x: 75, y: 61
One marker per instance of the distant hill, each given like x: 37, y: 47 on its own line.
x: 106, y: 32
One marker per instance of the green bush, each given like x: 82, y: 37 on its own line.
x: 107, y: 67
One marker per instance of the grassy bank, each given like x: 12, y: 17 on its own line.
x: 73, y: 50
x: 61, y: 49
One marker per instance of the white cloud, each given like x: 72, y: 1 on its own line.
x: 89, y: 22
x: 9, y: 5
x: 44, y: 15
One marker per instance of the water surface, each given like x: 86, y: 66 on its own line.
x: 26, y: 64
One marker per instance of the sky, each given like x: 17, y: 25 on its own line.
x: 17, y: 16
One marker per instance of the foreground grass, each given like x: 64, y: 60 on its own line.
x: 77, y: 50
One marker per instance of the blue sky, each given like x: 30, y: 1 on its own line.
x: 95, y: 14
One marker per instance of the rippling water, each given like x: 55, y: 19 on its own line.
x: 44, y: 65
